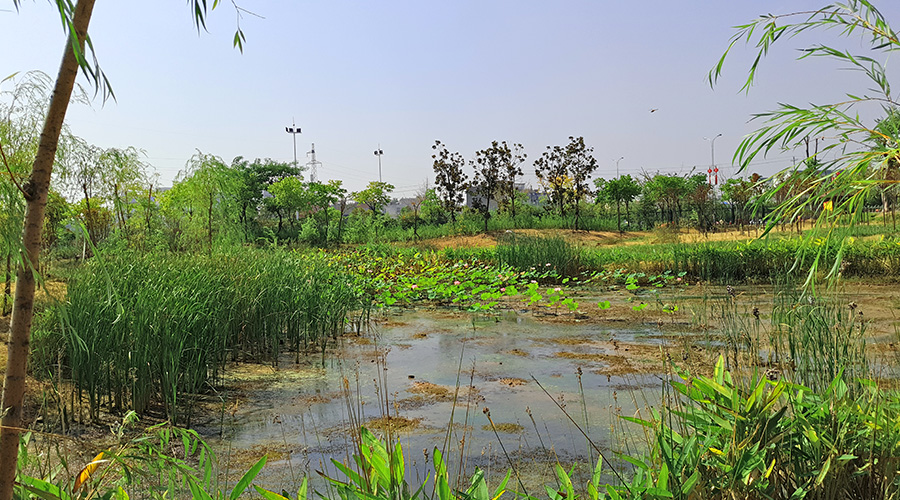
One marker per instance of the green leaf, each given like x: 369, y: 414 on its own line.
x: 301, y: 491
x: 689, y: 484
x: 270, y: 495
x: 247, y: 478
x: 824, y: 472
x: 663, y: 481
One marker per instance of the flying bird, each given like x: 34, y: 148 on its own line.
x: 653, y: 110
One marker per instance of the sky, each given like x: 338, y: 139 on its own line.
x: 359, y: 75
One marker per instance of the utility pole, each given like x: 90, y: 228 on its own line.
x: 312, y: 164
x: 378, y: 153
x: 293, y: 130
x: 712, y: 165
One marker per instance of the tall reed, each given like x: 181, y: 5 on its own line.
x: 525, y: 252
x: 142, y: 331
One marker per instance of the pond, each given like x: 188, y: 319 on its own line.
x: 521, y: 368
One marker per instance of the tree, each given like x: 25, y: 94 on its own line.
x: 376, y: 196
x: 209, y: 187
x: 125, y: 175
x: 321, y: 197
x: 553, y: 174
x: 623, y: 189
x: 450, y: 179
x: 76, y: 18
x: 846, y: 119
x: 87, y: 177
x: 21, y: 117
x: 667, y: 192
x: 580, y: 164
x: 490, y: 169
x: 256, y: 178
x: 289, y: 196
x: 35, y: 191
x: 739, y: 192
x: 699, y: 193
x: 512, y: 159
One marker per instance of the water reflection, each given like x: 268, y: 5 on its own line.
x: 412, y: 366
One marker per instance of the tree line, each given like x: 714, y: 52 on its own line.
x: 119, y: 201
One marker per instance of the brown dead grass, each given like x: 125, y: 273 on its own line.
x: 513, y: 381
x: 504, y: 427
x: 592, y: 238
x: 395, y: 424
x: 438, y: 392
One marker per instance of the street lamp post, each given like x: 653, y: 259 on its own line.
x: 617, y: 165
x: 712, y: 158
x: 293, y: 130
x: 378, y: 153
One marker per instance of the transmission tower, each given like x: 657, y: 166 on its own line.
x: 312, y: 164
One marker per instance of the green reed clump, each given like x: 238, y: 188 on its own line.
x: 734, y: 262
x: 139, y: 331
x: 526, y: 252
x: 728, y: 436
x: 818, y: 338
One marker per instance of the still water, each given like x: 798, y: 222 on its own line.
x: 410, y: 366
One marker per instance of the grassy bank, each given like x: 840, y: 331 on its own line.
x: 716, y: 262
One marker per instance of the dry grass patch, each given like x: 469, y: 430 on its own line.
x: 504, y: 427
x: 513, y: 381
x: 395, y: 424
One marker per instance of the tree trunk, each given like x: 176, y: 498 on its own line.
x: 577, y: 214
x: 340, y: 228
x: 618, y: 216
x: 7, y: 291
x: 627, y: 216
x: 512, y: 205
x: 88, y: 215
x: 36, y: 189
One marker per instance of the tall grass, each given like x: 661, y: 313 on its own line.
x: 527, y: 252
x: 714, y: 262
x: 144, y: 331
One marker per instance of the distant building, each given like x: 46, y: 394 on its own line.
x: 394, y: 208
x: 533, y: 197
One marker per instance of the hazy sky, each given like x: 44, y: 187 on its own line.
x: 356, y: 74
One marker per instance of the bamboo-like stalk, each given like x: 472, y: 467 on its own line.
x: 36, y: 190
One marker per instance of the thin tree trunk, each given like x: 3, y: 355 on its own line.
x: 7, y: 291
x: 88, y: 214
x: 512, y: 205
x: 577, y: 214
x: 36, y: 190
x: 618, y: 216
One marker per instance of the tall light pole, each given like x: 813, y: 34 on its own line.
x: 712, y: 158
x: 293, y: 130
x: 378, y: 153
x: 617, y: 166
